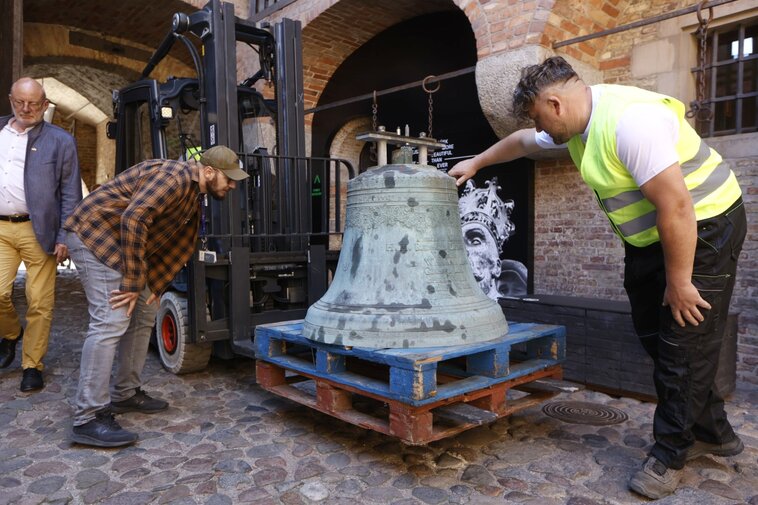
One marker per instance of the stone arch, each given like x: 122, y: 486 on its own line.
x: 345, y: 146
x: 82, y: 104
x: 92, y: 81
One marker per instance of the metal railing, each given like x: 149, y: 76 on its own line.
x: 289, y: 201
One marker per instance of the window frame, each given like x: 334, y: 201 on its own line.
x: 707, y: 127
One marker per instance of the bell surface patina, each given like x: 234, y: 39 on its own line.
x: 403, y: 278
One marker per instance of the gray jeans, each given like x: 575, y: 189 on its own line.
x: 109, y: 331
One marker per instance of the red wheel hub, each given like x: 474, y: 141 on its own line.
x: 169, y: 334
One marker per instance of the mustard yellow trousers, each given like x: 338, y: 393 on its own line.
x: 18, y: 243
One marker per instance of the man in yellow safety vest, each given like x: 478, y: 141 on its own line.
x: 678, y: 208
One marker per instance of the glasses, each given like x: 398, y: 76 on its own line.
x: 20, y: 104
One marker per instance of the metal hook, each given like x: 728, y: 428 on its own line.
x: 427, y: 80
x: 700, y: 7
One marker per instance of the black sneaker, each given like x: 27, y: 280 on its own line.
x: 655, y: 480
x: 8, y: 349
x: 140, y: 402
x: 31, y: 380
x: 731, y: 448
x: 103, y: 431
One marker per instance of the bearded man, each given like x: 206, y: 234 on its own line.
x: 129, y: 238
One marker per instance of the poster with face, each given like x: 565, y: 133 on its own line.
x: 487, y: 226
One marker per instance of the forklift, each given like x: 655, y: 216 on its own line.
x: 267, y: 251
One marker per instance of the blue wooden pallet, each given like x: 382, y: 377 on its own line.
x: 418, y: 376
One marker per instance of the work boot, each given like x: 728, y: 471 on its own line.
x: 140, y: 402
x: 103, y: 431
x: 731, y: 448
x: 8, y: 349
x: 655, y: 480
x: 31, y: 380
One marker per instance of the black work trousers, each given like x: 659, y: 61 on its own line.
x: 689, y: 408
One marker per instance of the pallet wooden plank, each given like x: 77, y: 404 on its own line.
x: 415, y: 384
x: 329, y: 362
x: 465, y: 413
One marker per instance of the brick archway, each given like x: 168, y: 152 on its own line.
x: 335, y: 29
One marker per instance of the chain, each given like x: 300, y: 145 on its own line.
x: 431, y: 116
x: 430, y: 91
x: 374, y: 110
x: 374, y: 113
x: 699, y: 109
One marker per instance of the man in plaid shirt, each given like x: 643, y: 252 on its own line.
x: 128, y: 239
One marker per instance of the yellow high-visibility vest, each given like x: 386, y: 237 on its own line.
x: 711, y: 183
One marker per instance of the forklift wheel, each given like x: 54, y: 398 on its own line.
x: 172, y: 328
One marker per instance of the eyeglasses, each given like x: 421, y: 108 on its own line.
x: 20, y: 104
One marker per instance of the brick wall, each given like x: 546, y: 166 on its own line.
x: 575, y: 251
x: 746, y: 288
x: 86, y: 143
x: 86, y: 146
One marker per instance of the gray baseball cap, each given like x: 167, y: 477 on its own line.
x: 224, y: 159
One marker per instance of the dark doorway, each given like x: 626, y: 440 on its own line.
x: 436, y: 44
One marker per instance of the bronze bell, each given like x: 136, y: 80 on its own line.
x: 403, y: 277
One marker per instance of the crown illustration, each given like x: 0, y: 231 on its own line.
x: 483, y: 205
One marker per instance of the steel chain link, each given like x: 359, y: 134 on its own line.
x: 699, y: 108
x: 374, y: 111
x: 431, y: 116
x: 430, y: 91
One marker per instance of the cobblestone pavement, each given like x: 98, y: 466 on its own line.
x: 226, y: 441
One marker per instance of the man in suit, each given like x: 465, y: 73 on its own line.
x: 38, y: 164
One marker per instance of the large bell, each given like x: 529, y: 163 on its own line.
x: 403, y: 278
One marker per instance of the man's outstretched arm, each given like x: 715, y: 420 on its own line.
x: 516, y: 145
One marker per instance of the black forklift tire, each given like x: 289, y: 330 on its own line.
x: 172, y: 331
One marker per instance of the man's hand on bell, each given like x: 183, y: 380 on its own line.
x: 463, y: 171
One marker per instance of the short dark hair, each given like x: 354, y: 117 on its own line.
x: 535, y: 78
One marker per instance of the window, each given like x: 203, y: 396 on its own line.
x: 731, y: 80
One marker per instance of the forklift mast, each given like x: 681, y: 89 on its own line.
x: 271, y: 236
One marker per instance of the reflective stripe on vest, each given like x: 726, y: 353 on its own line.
x: 629, y: 197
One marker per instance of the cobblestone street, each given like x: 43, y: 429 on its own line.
x: 226, y: 441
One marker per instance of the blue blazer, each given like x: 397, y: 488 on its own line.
x: 52, y: 183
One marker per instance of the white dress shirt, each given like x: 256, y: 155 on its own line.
x: 12, y: 158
